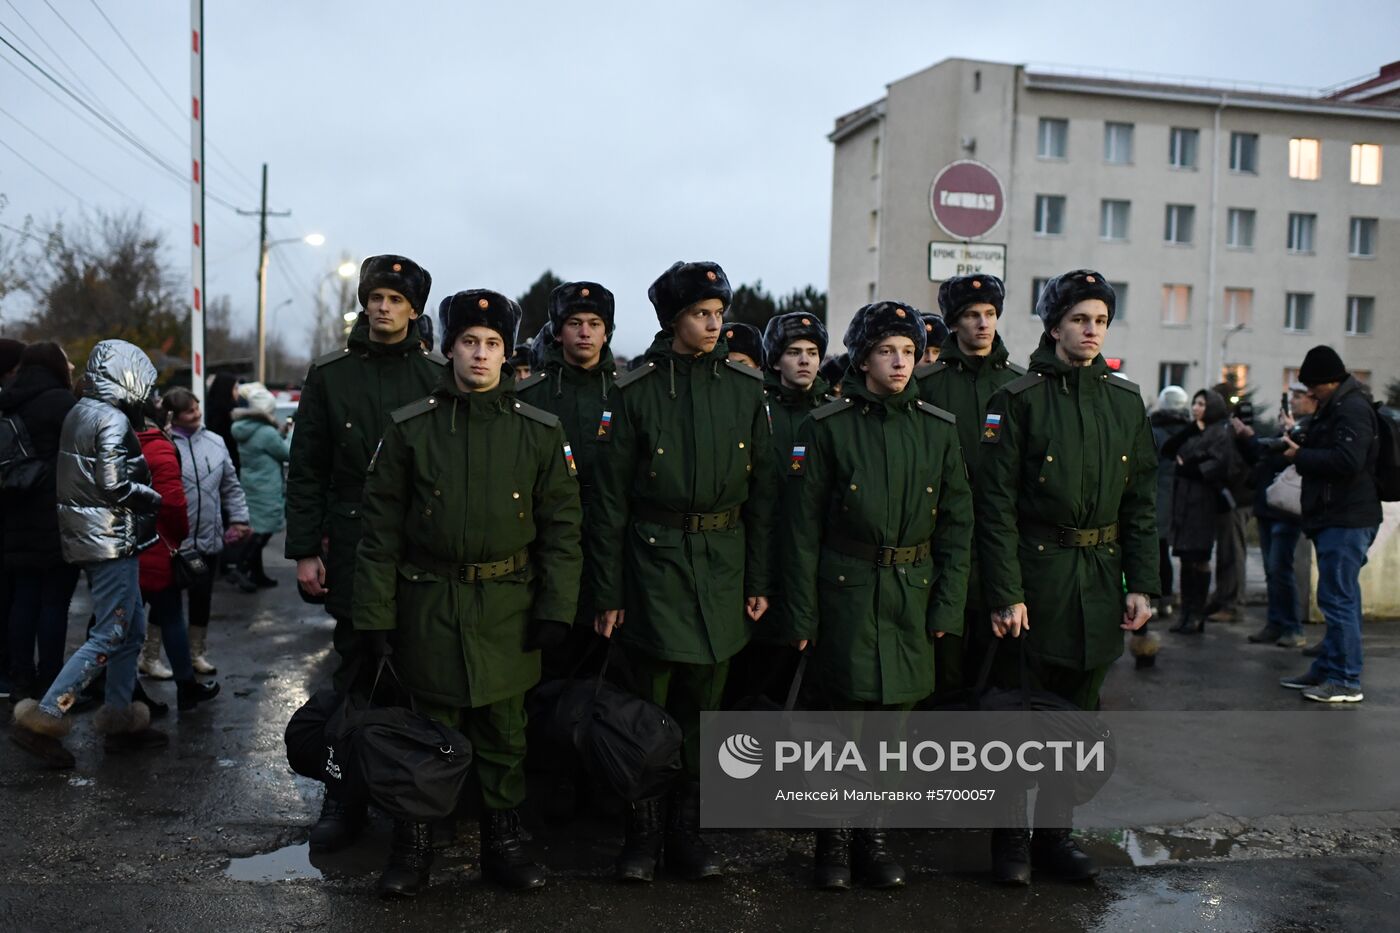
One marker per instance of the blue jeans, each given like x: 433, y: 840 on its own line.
x: 39, y: 614
x: 1278, y: 541
x: 168, y: 612
x: 114, y: 642
x: 1341, y: 553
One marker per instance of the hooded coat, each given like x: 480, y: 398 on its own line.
x: 344, y: 410
x: 1210, y: 463
x: 262, y: 452
x: 211, y: 488
x: 1338, y: 462
x: 689, y: 435
x: 30, y: 521
x: 1067, y: 446
x: 106, y: 506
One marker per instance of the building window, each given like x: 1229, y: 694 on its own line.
x: 1176, y: 305
x: 1049, y: 214
x: 1362, y: 243
x: 1244, y: 153
x: 874, y: 229
x: 1053, y: 138
x: 1360, y: 309
x: 1171, y: 374
x: 1363, y: 376
x: 875, y: 157
x: 1183, y: 147
x: 1304, y: 158
x: 1239, y: 307
x: 1297, y: 314
x: 1236, y: 376
x: 1113, y: 220
x: 1120, y: 300
x: 1290, y: 377
x: 1181, y: 223
x: 1118, y: 143
x: 1365, y: 164
x: 1037, y: 286
x: 1239, y: 228
x: 1300, y: 232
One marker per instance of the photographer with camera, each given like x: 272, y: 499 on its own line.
x: 1279, y: 528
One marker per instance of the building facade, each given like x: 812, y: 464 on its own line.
x: 1240, y: 227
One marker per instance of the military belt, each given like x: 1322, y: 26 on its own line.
x: 689, y: 522
x: 472, y: 573
x: 1065, y: 536
x: 878, y: 555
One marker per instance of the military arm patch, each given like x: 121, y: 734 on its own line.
x: 605, y: 427
x: 569, y: 460
x: 798, y: 465
x: 991, y: 428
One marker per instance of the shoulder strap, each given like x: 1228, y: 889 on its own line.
x: 641, y: 372
x: 534, y: 380
x: 937, y: 412
x: 746, y: 370
x: 534, y: 414
x: 1017, y: 386
x: 1016, y: 368
x: 413, y: 409
x: 331, y: 357
x: 435, y: 357
x: 826, y: 411
x: 1116, y: 380
x: 928, y: 369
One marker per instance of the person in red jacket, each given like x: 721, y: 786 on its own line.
x: 158, y: 587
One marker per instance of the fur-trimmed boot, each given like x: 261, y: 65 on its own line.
x: 41, y: 735
x: 128, y: 728
x: 199, y: 642
x: 150, y: 664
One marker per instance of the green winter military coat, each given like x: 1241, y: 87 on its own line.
x: 468, y: 478
x: 578, y: 397
x: 688, y: 435
x: 344, y: 409
x: 963, y: 385
x: 884, y: 472
x: 1067, y: 446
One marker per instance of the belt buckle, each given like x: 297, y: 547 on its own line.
x: 468, y: 573
x: 690, y: 523
x: 1065, y: 536
x: 884, y: 556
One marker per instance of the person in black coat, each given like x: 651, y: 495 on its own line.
x: 40, y: 396
x: 219, y: 403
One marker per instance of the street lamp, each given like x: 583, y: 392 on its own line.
x: 311, y: 239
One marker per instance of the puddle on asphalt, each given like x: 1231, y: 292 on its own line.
x: 1140, y: 848
x: 364, y: 860
x: 290, y: 864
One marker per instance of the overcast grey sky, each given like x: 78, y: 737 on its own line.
x: 601, y: 140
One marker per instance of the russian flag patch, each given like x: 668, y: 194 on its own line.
x: 991, y: 428
x: 604, y: 425
x: 799, y: 460
x: 569, y: 459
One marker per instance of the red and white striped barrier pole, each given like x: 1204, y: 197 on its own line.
x: 197, y: 197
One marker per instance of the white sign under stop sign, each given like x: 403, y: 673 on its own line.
x: 946, y: 260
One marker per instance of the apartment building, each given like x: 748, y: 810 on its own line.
x: 1240, y: 225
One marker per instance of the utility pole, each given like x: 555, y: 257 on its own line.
x: 263, y: 213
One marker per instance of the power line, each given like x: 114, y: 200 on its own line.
x: 166, y: 94
x: 57, y: 184
x: 72, y: 72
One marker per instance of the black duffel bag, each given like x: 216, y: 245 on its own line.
x: 308, y: 751
x: 627, y: 743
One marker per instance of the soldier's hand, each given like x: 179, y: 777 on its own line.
x: 1138, y: 611
x: 800, y: 645
x: 1010, y: 620
x: 607, y: 620
x: 311, y: 576
x: 756, y: 606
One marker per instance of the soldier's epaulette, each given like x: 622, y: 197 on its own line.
x: 413, y: 409
x: 436, y: 357
x: 626, y: 379
x: 1017, y: 386
x: 535, y: 414
x: 1016, y: 368
x: 928, y: 369
x: 331, y: 357
x: 746, y: 370
x: 534, y: 380
x: 937, y: 412
x: 826, y: 411
x: 1114, y: 379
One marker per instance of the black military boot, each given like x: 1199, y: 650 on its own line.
x: 503, y: 858
x: 687, y: 853
x: 339, y: 824
x: 410, y: 859
x: 1011, y: 845
x: 872, y: 863
x: 641, y: 849
x: 832, y: 865
x: 1055, y: 852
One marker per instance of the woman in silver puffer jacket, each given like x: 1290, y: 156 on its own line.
x: 106, y: 517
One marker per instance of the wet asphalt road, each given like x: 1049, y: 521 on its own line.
x: 210, y: 833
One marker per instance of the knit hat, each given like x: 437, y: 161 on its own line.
x: 478, y: 307
x: 684, y: 284
x: 1320, y: 366
x: 1065, y: 291
x: 399, y: 273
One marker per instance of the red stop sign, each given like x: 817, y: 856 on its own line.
x: 966, y: 199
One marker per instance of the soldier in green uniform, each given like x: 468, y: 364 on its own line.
x: 971, y: 366
x: 469, y: 565
x: 574, y: 381
x: 344, y: 409
x: 745, y: 344
x: 1066, y: 513
x: 679, y: 539
x: 879, y: 531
